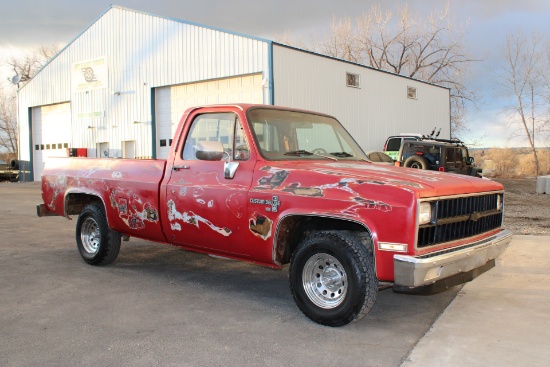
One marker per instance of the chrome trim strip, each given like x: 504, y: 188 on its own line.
x: 433, y: 198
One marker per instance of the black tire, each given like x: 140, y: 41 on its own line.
x: 417, y: 162
x: 14, y: 164
x: 347, y: 287
x: 97, y: 243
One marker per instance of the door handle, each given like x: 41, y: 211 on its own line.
x: 177, y: 168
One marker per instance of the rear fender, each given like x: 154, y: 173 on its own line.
x: 77, y: 198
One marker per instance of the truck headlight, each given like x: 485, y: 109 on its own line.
x: 499, y: 202
x: 424, y: 213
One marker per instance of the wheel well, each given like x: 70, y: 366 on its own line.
x: 293, y: 229
x: 74, y: 203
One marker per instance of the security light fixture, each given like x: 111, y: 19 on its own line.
x: 15, y: 79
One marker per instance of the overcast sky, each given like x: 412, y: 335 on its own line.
x: 25, y: 24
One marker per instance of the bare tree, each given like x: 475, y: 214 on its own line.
x: 523, y: 83
x: 27, y: 66
x: 287, y: 39
x: 546, y: 95
x: 8, y: 122
x: 429, y: 49
x: 341, y: 42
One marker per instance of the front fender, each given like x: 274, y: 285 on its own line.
x: 289, y: 223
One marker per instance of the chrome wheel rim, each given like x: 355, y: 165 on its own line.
x: 90, y: 236
x: 325, y: 281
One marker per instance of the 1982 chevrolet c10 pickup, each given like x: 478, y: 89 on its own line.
x: 274, y: 185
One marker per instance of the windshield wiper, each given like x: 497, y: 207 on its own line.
x: 305, y: 152
x: 342, y: 154
x: 347, y: 155
x: 299, y: 152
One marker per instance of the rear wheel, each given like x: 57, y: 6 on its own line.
x: 332, y: 278
x: 97, y: 243
x: 417, y: 162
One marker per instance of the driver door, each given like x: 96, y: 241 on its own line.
x: 205, y: 207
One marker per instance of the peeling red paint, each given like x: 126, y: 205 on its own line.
x: 260, y: 226
x: 192, y: 204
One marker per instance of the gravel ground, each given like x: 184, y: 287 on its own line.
x: 525, y: 211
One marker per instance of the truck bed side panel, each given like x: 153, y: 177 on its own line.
x: 129, y: 189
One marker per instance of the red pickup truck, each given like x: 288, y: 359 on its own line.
x: 273, y: 186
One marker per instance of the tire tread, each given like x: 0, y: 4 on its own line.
x: 110, y: 240
x: 366, y: 264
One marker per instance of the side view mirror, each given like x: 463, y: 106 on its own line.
x: 209, y: 151
x: 471, y: 160
x: 213, y: 151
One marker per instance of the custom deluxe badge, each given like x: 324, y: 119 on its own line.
x: 273, y: 204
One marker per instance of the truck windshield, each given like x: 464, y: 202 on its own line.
x: 291, y: 135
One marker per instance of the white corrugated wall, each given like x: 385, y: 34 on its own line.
x: 142, y: 51
x: 377, y: 109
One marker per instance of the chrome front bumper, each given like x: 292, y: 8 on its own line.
x: 412, y: 272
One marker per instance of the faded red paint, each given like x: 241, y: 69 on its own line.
x: 198, y: 208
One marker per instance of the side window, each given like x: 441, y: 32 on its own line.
x: 242, y: 150
x: 459, y: 158
x: 212, y: 127
x: 450, y: 155
x: 224, y: 128
x: 394, y: 144
x: 435, y: 152
x: 464, y: 154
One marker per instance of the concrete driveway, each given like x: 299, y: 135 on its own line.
x: 500, y: 319
x: 158, y: 305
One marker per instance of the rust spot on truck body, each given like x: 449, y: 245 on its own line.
x: 260, y: 226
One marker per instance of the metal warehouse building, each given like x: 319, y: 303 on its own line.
x: 119, y: 89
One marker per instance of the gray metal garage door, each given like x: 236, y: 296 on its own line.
x: 171, y: 102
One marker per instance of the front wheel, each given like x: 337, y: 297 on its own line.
x: 332, y: 278
x: 97, y: 243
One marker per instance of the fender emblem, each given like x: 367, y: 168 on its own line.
x: 273, y: 203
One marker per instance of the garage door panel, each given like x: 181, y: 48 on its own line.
x: 51, y: 134
x: 171, y: 102
x: 212, y: 99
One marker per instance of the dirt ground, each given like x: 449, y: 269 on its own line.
x: 525, y: 211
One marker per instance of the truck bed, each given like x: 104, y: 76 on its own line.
x: 128, y: 188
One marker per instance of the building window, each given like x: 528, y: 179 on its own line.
x: 170, y: 142
x: 352, y: 80
x: 411, y: 92
x: 66, y: 145
x: 162, y: 142
x: 37, y: 147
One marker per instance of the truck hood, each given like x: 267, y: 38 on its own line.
x: 423, y: 183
